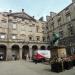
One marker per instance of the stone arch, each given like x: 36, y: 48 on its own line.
x: 15, y: 52
x: 3, y: 49
x: 25, y: 52
x: 34, y: 47
x: 43, y: 47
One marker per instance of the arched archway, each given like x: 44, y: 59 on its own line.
x: 15, y: 52
x: 43, y: 48
x: 48, y: 48
x: 34, y: 47
x: 3, y: 49
x: 25, y: 51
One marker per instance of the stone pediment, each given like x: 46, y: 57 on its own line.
x: 22, y: 15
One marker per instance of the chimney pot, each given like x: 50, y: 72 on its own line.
x: 22, y: 10
x: 10, y: 11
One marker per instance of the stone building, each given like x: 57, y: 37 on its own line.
x: 20, y: 34
x: 63, y: 23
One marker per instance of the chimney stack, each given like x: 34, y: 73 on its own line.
x: 10, y: 11
x: 33, y: 17
x: 22, y: 10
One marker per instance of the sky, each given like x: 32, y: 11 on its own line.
x: 35, y: 8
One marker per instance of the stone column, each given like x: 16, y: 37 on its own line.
x: 20, y: 53
x: 30, y: 51
x: 8, y: 54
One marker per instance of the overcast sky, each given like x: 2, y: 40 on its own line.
x: 35, y: 8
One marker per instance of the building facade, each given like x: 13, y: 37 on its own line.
x: 20, y: 34
x: 63, y: 23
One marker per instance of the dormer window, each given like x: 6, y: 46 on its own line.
x: 68, y: 17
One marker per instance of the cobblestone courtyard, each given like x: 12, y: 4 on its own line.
x: 29, y: 68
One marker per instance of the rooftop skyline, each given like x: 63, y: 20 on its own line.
x: 35, y: 8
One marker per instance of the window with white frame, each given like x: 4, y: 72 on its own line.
x: 2, y: 35
x: 14, y: 26
x: 14, y: 36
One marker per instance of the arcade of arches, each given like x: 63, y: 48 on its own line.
x: 15, y: 51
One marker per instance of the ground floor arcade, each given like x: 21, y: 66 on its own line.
x: 18, y: 51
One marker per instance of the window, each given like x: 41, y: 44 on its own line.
x: 61, y: 34
x: 68, y: 18
x: 37, y: 28
x: 15, y: 17
x: 14, y: 26
x: 43, y: 38
x: 2, y: 35
x: 48, y: 38
x: 70, y: 29
x: 14, y: 36
x: 59, y: 21
x: 38, y: 38
x: 4, y: 20
x: 47, y: 27
x: 52, y: 26
x: 30, y: 38
x: 9, y: 20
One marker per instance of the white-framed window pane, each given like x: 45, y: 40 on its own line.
x: 14, y: 26
x: 2, y: 36
x: 14, y: 37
